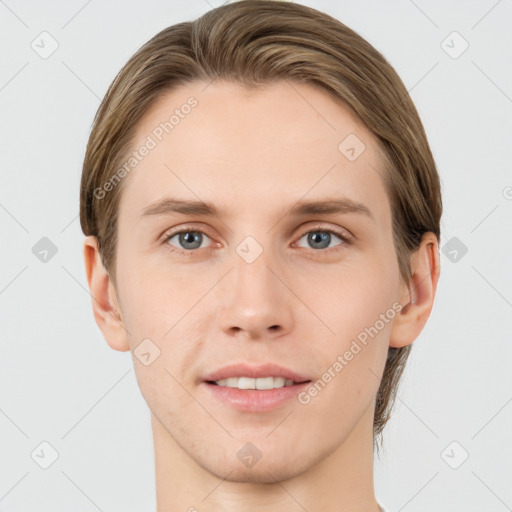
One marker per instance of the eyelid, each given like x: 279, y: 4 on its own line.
x: 182, y: 229
x: 343, y: 233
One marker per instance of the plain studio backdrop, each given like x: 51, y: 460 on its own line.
x: 66, y: 394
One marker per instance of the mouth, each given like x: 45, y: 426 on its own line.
x: 263, y: 376
x: 259, y: 383
x: 249, y: 388
x: 249, y: 395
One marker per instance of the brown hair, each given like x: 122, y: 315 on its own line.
x: 253, y: 42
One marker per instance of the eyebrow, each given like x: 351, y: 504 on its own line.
x: 171, y: 205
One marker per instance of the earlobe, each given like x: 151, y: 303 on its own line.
x: 105, y: 305
x: 418, y: 295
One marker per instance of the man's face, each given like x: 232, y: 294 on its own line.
x: 257, y: 283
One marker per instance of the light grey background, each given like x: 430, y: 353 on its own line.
x: 61, y: 383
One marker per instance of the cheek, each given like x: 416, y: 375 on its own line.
x: 348, y: 297
x: 155, y: 296
x: 357, y: 304
x: 164, y: 305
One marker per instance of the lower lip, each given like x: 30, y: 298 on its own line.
x: 255, y: 400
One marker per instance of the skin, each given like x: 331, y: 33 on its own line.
x: 254, y: 155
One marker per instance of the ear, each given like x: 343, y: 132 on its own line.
x: 417, y: 296
x: 104, y: 300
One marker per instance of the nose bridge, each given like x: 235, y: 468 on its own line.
x: 251, y: 274
x: 254, y: 297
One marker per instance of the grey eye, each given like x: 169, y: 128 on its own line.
x: 189, y: 239
x: 320, y: 239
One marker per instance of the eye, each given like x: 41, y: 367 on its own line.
x: 188, y: 239
x: 321, y: 238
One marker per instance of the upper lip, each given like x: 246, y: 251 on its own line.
x: 245, y: 370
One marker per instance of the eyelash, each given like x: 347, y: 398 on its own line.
x: 345, y: 238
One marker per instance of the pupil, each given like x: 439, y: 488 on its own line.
x: 189, y: 238
x: 317, y: 238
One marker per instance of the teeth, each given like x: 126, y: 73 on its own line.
x: 259, y: 383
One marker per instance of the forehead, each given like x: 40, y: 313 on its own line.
x: 250, y: 149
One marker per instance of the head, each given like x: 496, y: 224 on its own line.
x: 255, y: 107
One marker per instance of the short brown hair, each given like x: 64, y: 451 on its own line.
x: 253, y: 42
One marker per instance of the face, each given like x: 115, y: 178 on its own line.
x: 263, y: 280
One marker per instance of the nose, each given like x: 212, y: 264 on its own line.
x: 256, y: 302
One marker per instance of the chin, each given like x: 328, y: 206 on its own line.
x: 251, y: 465
x: 263, y: 472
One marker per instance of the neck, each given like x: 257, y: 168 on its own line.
x: 342, y: 480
